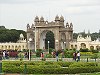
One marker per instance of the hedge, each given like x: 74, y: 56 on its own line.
x: 45, y: 67
x: 85, y: 64
x: 33, y: 70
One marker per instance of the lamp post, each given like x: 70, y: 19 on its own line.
x: 56, y: 50
x: 30, y: 40
x: 48, y: 46
x: 64, y: 45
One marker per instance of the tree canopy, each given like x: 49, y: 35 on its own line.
x: 10, y: 35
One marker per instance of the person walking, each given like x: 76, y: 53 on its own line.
x: 78, y: 56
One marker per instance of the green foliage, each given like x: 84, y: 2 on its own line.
x: 68, y: 53
x: 49, y: 63
x: 85, y: 64
x: 50, y: 38
x: 64, y: 64
x: 94, y: 56
x: 84, y: 50
x: 95, y: 51
x: 21, y: 55
x: 49, y: 56
x: 75, y: 35
x: 50, y: 50
x: 38, y: 52
x: 12, y: 35
x: 86, y: 53
x: 49, y: 67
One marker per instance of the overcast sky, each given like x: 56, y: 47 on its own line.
x: 84, y: 14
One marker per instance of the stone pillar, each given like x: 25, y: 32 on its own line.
x: 67, y: 40
x: 57, y: 45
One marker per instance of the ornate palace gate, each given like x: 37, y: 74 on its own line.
x: 63, y: 34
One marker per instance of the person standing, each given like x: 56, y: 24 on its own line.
x: 42, y: 55
x: 4, y: 54
x: 74, y: 56
x: 57, y: 55
x: 78, y: 56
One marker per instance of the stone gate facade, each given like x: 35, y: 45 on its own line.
x: 63, y: 34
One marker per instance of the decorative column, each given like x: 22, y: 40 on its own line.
x: 57, y: 46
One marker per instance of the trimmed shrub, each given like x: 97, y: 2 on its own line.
x: 86, y: 53
x: 84, y: 50
x: 38, y: 52
x: 49, y: 66
x: 49, y: 56
x: 64, y: 64
x: 94, y: 56
x: 95, y: 51
x: 36, y: 70
x: 49, y: 63
x: 85, y: 64
x: 42, y: 67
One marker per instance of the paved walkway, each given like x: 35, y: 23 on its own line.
x: 53, y: 59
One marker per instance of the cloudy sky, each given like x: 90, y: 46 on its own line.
x: 84, y: 14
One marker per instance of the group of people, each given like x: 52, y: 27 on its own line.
x: 55, y: 54
x: 76, y: 56
x: 5, y: 54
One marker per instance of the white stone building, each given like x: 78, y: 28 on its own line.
x: 86, y: 42
x: 19, y: 45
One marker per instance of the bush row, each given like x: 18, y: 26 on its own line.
x: 45, y: 67
x: 85, y: 64
x: 18, y: 63
x: 36, y: 70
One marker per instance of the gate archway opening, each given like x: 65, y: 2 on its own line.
x: 51, y: 39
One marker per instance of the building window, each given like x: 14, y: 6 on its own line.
x: 71, y: 46
x: 75, y: 46
x: 83, y: 45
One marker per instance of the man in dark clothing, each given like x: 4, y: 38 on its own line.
x: 57, y: 55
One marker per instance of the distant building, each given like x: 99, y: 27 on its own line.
x: 19, y: 45
x: 85, y: 42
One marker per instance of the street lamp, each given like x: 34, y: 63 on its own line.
x: 64, y: 45
x: 48, y: 46
x: 30, y: 40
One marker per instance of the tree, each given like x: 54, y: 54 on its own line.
x: 12, y: 35
x: 50, y: 38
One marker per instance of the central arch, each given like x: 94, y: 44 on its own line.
x: 44, y: 40
x: 50, y: 40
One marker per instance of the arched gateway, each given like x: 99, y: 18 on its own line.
x: 63, y: 34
